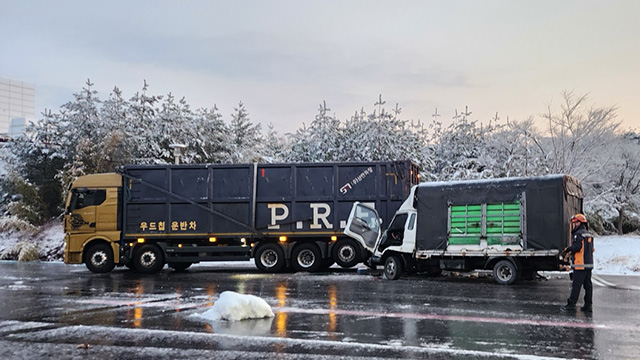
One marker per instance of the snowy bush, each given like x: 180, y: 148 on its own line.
x: 21, y: 251
x: 24, y: 242
x: 12, y: 224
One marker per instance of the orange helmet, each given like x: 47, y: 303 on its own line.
x: 579, y: 218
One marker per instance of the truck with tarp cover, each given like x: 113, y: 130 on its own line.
x: 513, y: 226
x: 285, y: 216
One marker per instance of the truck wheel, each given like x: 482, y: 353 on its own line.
x: 99, y: 258
x: 269, y: 258
x: 181, y: 266
x: 392, y: 268
x: 346, y: 253
x: 505, y: 272
x: 148, y: 259
x: 306, y: 257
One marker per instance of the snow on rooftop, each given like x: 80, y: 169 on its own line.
x: 490, y: 181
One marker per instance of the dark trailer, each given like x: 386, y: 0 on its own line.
x: 281, y: 214
x: 515, y: 226
x: 518, y: 213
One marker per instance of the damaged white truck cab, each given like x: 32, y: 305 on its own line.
x: 513, y: 226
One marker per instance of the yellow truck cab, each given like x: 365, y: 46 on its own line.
x: 91, y: 222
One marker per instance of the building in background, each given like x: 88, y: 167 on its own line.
x: 17, y: 106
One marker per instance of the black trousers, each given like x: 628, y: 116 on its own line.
x: 581, y: 278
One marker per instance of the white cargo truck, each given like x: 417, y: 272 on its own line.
x: 513, y: 226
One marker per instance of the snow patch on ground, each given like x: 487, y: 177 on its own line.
x: 617, y: 255
x: 232, y: 306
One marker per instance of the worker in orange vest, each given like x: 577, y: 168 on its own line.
x: 581, y: 251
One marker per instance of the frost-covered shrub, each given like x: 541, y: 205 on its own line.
x: 14, y: 224
x: 31, y: 208
x: 629, y: 223
x: 21, y: 251
x: 28, y: 251
x: 22, y: 241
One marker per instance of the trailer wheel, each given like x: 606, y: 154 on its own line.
x: 346, y: 253
x: 505, y: 272
x: 269, y: 258
x: 306, y: 257
x: 99, y: 258
x: 392, y: 268
x: 148, y: 259
x: 180, y: 266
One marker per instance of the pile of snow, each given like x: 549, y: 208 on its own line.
x: 232, y: 306
x: 617, y: 255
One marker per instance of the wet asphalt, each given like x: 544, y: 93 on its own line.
x: 64, y: 311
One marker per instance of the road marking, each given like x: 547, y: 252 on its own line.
x: 602, y: 282
x: 442, y: 317
x: 172, y: 341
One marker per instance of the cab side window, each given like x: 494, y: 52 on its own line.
x: 82, y: 199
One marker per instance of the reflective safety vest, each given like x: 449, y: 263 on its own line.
x: 582, y: 249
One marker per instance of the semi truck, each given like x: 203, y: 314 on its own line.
x: 284, y: 216
x: 512, y: 226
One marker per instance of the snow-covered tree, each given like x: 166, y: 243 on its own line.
x: 173, y: 124
x: 512, y: 149
x: 379, y: 135
x: 576, y: 133
x: 245, y: 136
x: 274, y: 147
x: 617, y: 189
x: 458, y: 148
x: 214, y: 141
x: 141, y: 125
x: 34, y: 159
x: 321, y: 141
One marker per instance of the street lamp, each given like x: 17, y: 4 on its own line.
x: 177, y: 151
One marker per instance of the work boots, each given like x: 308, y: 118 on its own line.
x: 587, y: 307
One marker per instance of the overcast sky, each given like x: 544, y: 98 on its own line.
x: 283, y: 58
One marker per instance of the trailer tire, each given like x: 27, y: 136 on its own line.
x: 505, y: 272
x: 346, y: 253
x: 148, y: 259
x: 99, y: 258
x: 306, y: 257
x: 179, y: 266
x: 392, y: 268
x: 269, y: 258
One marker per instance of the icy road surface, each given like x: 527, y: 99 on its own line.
x: 64, y: 311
